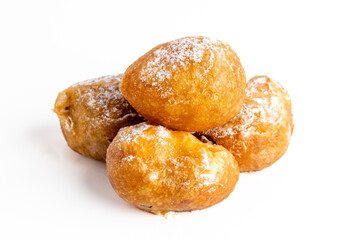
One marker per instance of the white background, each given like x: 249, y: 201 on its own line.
x: 311, y: 47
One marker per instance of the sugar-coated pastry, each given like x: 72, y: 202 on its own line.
x: 260, y: 134
x: 91, y: 113
x: 159, y: 170
x: 189, y: 84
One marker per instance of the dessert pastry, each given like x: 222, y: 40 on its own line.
x: 159, y: 170
x: 260, y: 134
x: 190, y: 84
x: 91, y: 113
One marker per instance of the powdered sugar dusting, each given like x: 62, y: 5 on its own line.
x: 209, y: 178
x: 129, y: 158
x: 132, y: 134
x: 163, y: 132
x: 107, y: 78
x: 205, y: 159
x: 103, y: 96
x: 263, y: 104
x: 153, y: 176
x: 99, y: 99
x: 135, y: 132
x: 179, y: 54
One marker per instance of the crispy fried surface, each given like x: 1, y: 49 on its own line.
x: 190, y: 84
x: 91, y: 113
x: 260, y: 134
x: 160, y: 170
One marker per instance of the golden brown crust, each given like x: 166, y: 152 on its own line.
x: 91, y: 113
x: 260, y: 134
x: 159, y: 170
x: 190, y: 84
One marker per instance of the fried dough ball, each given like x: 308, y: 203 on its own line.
x: 260, y: 134
x: 91, y: 113
x: 159, y: 170
x: 189, y: 84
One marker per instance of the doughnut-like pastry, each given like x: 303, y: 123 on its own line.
x: 260, y: 134
x: 91, y: 113
x: 189, y: 84
x: 159, y: 170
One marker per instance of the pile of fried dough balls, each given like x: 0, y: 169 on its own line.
x: 179, y: 125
